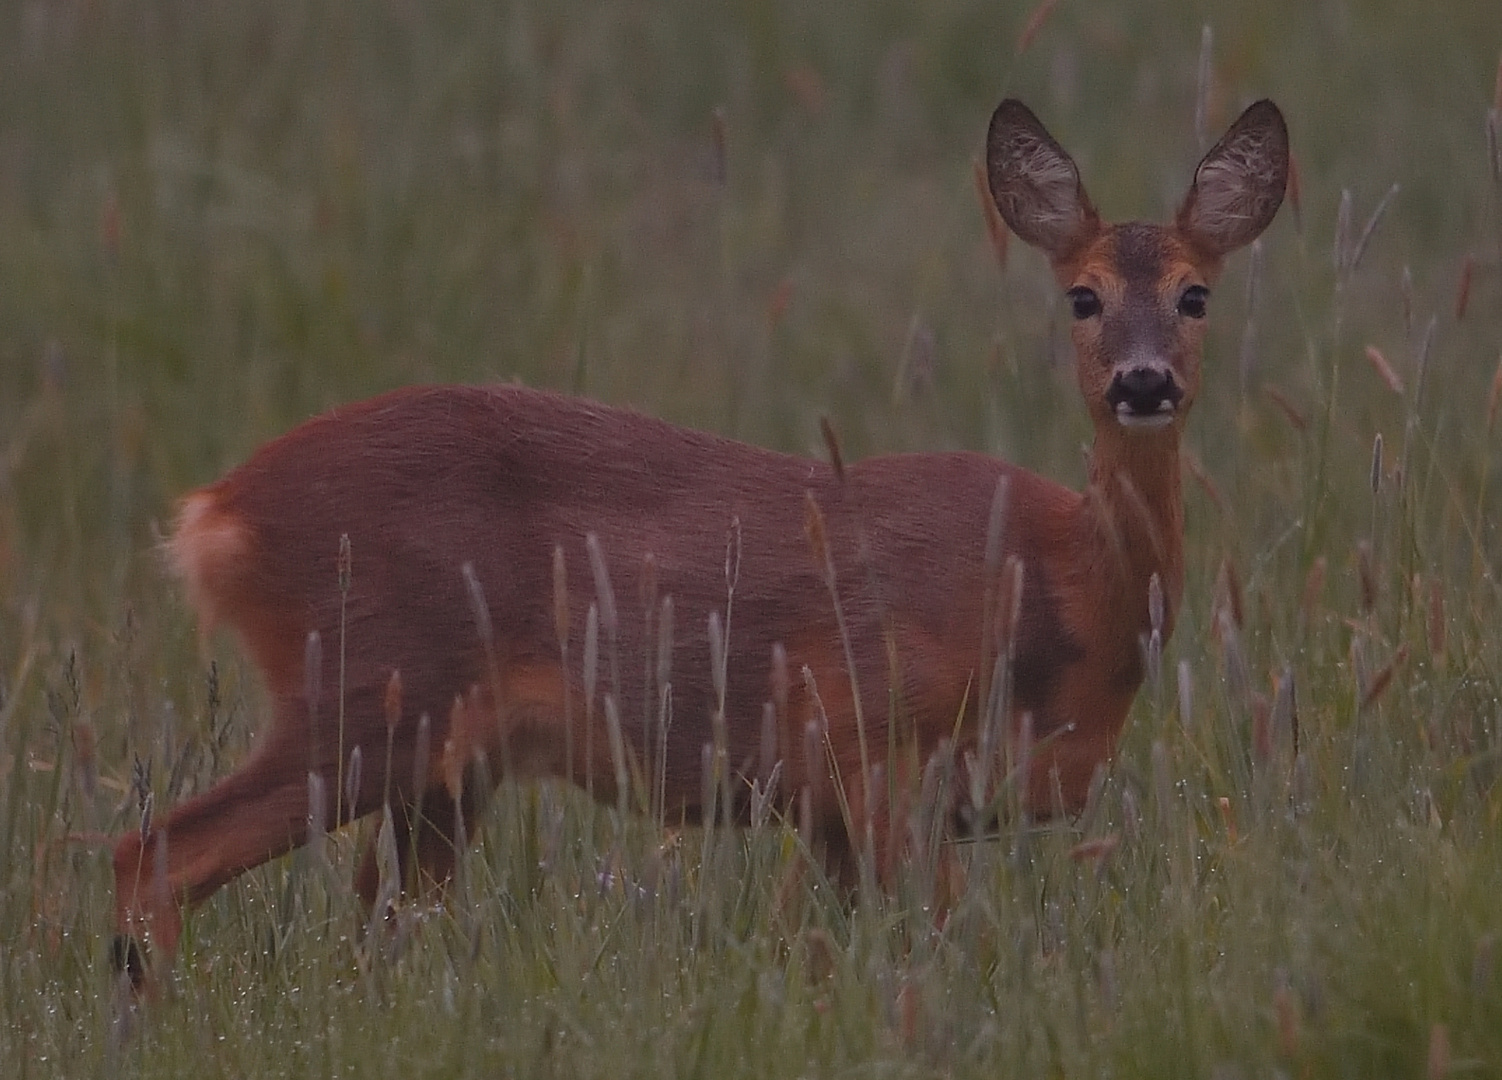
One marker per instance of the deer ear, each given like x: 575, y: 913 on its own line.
x: 1035, y: 184
x: 1239, y: 185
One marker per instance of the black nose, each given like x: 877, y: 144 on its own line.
x: 1144, y: 391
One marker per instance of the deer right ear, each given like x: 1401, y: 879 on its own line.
x: 1035, y: 184
x: 1239, y: 185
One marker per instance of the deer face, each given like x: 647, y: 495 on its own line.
x: 1138, y: 293
x: 1138, y: 301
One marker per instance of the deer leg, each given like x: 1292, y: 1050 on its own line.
x: 248, y: 818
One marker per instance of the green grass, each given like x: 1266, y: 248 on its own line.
x: 217, y: 219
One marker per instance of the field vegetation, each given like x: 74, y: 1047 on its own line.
x: 217, y: 219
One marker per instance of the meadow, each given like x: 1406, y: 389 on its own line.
x: 217, y: 219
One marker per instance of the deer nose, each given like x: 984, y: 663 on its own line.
x: 1144, y: 396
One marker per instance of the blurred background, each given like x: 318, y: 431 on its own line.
x: 217, y: 219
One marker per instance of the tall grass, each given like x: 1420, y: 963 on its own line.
x: 216, y: 219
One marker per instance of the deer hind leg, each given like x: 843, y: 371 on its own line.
x: 248, y: 818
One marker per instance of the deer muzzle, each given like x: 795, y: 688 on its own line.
x: 1144, y: 395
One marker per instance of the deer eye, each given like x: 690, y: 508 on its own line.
x: 1086, y: 303
x: 1192, y: 303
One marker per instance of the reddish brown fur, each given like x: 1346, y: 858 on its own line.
x: 426, y: 480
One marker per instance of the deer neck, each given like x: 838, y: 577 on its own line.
x: 1133, y: 524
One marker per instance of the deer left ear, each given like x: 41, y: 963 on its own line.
x: 1239, y: 185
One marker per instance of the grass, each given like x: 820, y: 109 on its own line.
x: 218, y: 219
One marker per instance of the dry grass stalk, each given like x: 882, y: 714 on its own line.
x: 909, y: 1011
x: 318, y: 819
x: 813, y: 528
x: 1262, y: 728
x: 1096, y: 849
x: 719, y: 136
x: 1339, y: 250
x: 1186, y: 693
x: 1436, y: 619
x: 1371, y: 226
x: 1494, y: 127
x: 1494, y: 396
x: 1314, y: 588
x: 85, y: 760
x: 1233, y: 658
x: 1286, y: 1009
x: 312, y: 674
x: 1034, y: 24
x: 1405, y: 290
x: 1204, y: 73
x: 804, y: 83
x: 1375, y: 479
x: 1162, y: 783
x: 1463, y: 288
x: 456, y: 750
x: 777, y: 303
x: 353, y: 778
x: 1285, y: 714
x: 420, y: 758
x: 618, y: 755
x: 768, y: 756
x: 1288, y: 408
x: 1383, y: 678
x: 1294, y: 193
x: 1384, y: 370
x: 1248, y: 356
x: 1228, y: 817
x: 1229, y: 595
x: 1197, y: 470
x: 1421, y: 361
x: 393, y: 708
x: 996, y: 229
x: 1438, y: 1064
x: 832, y: 444
x: 1366, y: 572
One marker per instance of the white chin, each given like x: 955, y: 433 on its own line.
x: 1144, y: 423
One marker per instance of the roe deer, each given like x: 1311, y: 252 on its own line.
x: 484, y: 523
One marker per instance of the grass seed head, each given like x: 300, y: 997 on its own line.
x: 478, y: 608
x: 1384, y: 370
x: 393, y: 701
x: 1034, y: 24
x: 1186, y: 694
x: 345, y: 564
x: 604, y: 593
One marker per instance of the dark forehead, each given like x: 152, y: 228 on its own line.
x: 1141, y: 252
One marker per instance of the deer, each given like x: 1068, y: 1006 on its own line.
x: 464, y: 545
